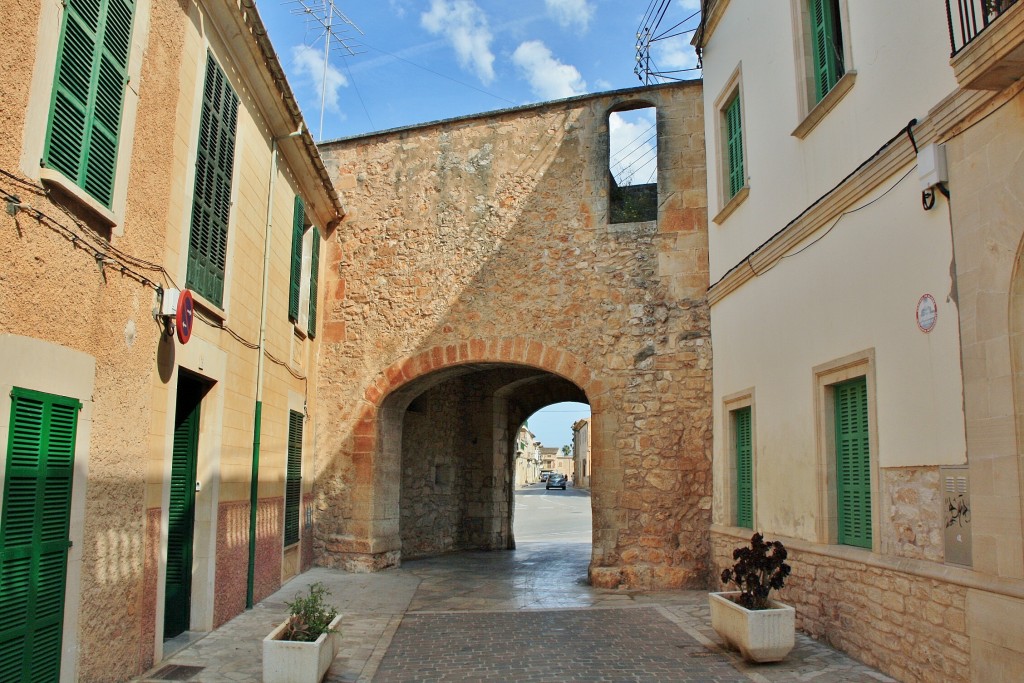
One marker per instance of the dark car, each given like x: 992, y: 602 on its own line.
x: 556, y: 481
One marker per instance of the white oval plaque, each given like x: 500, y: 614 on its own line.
x: 927, y: 313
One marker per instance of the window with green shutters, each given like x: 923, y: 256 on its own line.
x: 744, y: 468
x: 853, y: 462
x: 734, y: 145
x: 827, y: 45
x: 295, y: 280
x: 314, y: 281
x: 211, y: 205
x: 88, y: 94
x: 34, y: 532
x: 293, y: 478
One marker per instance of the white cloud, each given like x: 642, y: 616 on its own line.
x: 549, y: 78
x: 464, y: 25
x: 634, y: 153
x: 571, y: 12
x: 309, y: 68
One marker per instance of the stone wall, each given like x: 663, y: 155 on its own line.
x: 912, y: 516
x: 909, y: 626
x: 486, y: 240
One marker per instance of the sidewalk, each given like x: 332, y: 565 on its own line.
x: 523, y: 615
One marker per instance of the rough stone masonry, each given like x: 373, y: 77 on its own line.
x: 477, y: 278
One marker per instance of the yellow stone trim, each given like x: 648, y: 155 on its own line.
x: 827, y: 104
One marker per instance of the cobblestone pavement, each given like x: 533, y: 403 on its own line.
x: 523, y: 615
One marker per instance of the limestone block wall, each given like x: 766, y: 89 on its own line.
x: 906, y: 624
x: 486, y: 239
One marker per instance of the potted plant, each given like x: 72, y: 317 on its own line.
x: 301, y: 648
x: 762, y: 629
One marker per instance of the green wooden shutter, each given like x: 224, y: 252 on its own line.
x: 293, y: 478
x: 295, y: 282
x: 314, y: 282
x: 34, y: 534
x: 88, y: 94
x: 827, y: 39
x: 211, y: 205
x: 734, y: 145
x: 853, y: 463
x: 744, y: 469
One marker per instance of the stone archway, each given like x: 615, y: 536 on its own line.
x: 486, y: 242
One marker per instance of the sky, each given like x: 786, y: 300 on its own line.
x: 552, y: 426
x: 424, y: 60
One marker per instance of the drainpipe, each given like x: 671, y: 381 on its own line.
x: 254, y: 482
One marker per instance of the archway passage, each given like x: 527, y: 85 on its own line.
x: 454, y: 432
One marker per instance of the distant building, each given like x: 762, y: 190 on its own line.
x: 581, y: 453
x: 528, y: 457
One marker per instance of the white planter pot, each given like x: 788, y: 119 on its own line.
x: 287, y: 661
x: 764, y: 635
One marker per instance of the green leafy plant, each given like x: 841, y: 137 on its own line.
x: 311, y: 615
x: 758, y: 569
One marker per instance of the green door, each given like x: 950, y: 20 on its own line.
x: 181, y: 510
x: 34, y: 534
x: 853, y: 463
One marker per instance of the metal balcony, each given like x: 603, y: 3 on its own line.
x: 987, y: 42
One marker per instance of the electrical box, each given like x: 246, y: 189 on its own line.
x: 169, y: 303
x: 931, y: 165
x: 956, y: 514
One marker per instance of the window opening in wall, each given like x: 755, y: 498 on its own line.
x: 633, y: 165
x: 734, y: 145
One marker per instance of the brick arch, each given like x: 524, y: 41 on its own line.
x: 515, y: 350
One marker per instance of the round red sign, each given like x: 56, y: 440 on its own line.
x: 185, y: 316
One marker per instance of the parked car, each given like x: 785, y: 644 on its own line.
x: 556, y: 481
x: 544, y: 476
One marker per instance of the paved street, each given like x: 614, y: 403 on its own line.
x: 523, y: 615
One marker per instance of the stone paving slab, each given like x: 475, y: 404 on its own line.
x: 498, y: 597
x: 637, y: 644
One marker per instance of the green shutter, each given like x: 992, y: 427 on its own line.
x: 88, y: 94
x: 734, y: 145
x: 744, y: 469
x: 211, y: 205
x: 827, y: 38
x: 293, y: 478
x: 853, y: 463
x: 34, y: 534
x: 314, y: 282
x: 295, y: 282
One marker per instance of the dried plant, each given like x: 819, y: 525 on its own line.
x: 758, y: 569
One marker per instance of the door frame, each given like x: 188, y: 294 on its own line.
x: 209, y: 363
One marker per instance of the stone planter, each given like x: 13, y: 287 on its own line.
x: 288, y: 661
x: 765, y: 635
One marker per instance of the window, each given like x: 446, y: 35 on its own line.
x: 293, y: 478
x: 827, y: 45
x: 734, y: 145
x: 633, y: 164
x: 744, y: 468
x: 211, y: 204
x: 34, y: 532
x: 853, y: 462
x: 305, y: 269
x: 88, y: 94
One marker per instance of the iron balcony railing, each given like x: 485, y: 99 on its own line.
x: 968, y: 18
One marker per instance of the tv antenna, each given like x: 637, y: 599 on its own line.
x: 325, y: 21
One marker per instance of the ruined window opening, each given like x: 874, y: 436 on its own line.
x: 633, y: 164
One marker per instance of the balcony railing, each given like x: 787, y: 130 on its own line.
x: 968, y: 18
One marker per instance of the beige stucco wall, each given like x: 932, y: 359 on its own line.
x: 57, y: 303
x: 905, y: 68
